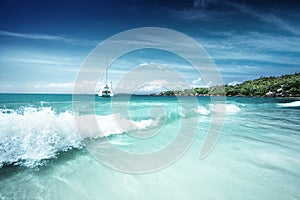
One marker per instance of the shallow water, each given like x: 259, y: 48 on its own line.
x: 43, y: 157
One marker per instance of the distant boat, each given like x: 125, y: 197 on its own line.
x: 106, y: 91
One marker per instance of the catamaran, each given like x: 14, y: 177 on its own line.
x: 106, y: 91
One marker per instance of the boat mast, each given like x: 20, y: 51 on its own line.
x: 106, y: 76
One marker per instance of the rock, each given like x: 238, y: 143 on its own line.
x: 270, y: 93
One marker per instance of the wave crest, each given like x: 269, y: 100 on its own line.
x: 31, y: 135
x: 290, y: 104
x: 34, y: 135
x: 227, y: 108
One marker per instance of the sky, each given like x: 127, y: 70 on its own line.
x: 44, y: 43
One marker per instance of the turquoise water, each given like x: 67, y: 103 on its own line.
x: 43, y: 157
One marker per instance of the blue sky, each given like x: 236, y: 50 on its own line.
x: 43, y: 43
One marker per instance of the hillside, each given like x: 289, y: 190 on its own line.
x: 282, y: 86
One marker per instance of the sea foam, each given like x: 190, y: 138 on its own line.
x: 35, y: 134
x: 227, y: 108
x: 290, y: 104
x: 202, y: 110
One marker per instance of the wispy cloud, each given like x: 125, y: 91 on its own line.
x: 194, y: 14
x: 50, y: 87
x: 252, y: 40
x: 152, y: 87
x: 263, y: 16
x: 86, y: 86
x: 54, y: 38
x: 253, y: 47
x: 36, y: 58
x: 199, y: 11
x: 55, y: 85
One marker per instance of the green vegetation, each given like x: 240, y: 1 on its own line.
x: 282, y: 86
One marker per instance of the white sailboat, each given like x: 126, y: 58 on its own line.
x: 106, y: 91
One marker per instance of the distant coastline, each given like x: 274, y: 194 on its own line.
x: 281, y: 86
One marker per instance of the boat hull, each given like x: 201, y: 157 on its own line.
x: 105, y: 94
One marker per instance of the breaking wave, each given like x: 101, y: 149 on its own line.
x: 290, y: 104
x: 227, y: 108
x: 32, y: 135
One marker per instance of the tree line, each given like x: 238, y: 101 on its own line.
x: 282, y: 86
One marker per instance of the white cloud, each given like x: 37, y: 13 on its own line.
x: 197, y: 81
x: 52, y: 87
x: 143, y: 64
x: 158, y: 82
x: 55, y: 85
x: 150, y: 79
x: 150, y: 89
x: 253, y: 47
x: 58, y: 38
x: 22, y: 56
x: 84, y: 87
x: 234, y: 83
x: 153, y: 87
x: 160, y: 85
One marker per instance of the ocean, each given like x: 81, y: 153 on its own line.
x: 46, y: 148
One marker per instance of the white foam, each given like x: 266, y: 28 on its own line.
x: 112, y: 124
x: 181, y: 112
x: 227, y: 108
x: 291, y: 104
x: 202, y: 110
x: 34, y: 134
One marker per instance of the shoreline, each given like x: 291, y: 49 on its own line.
x: 250, y: 96
x: 281, y: 86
